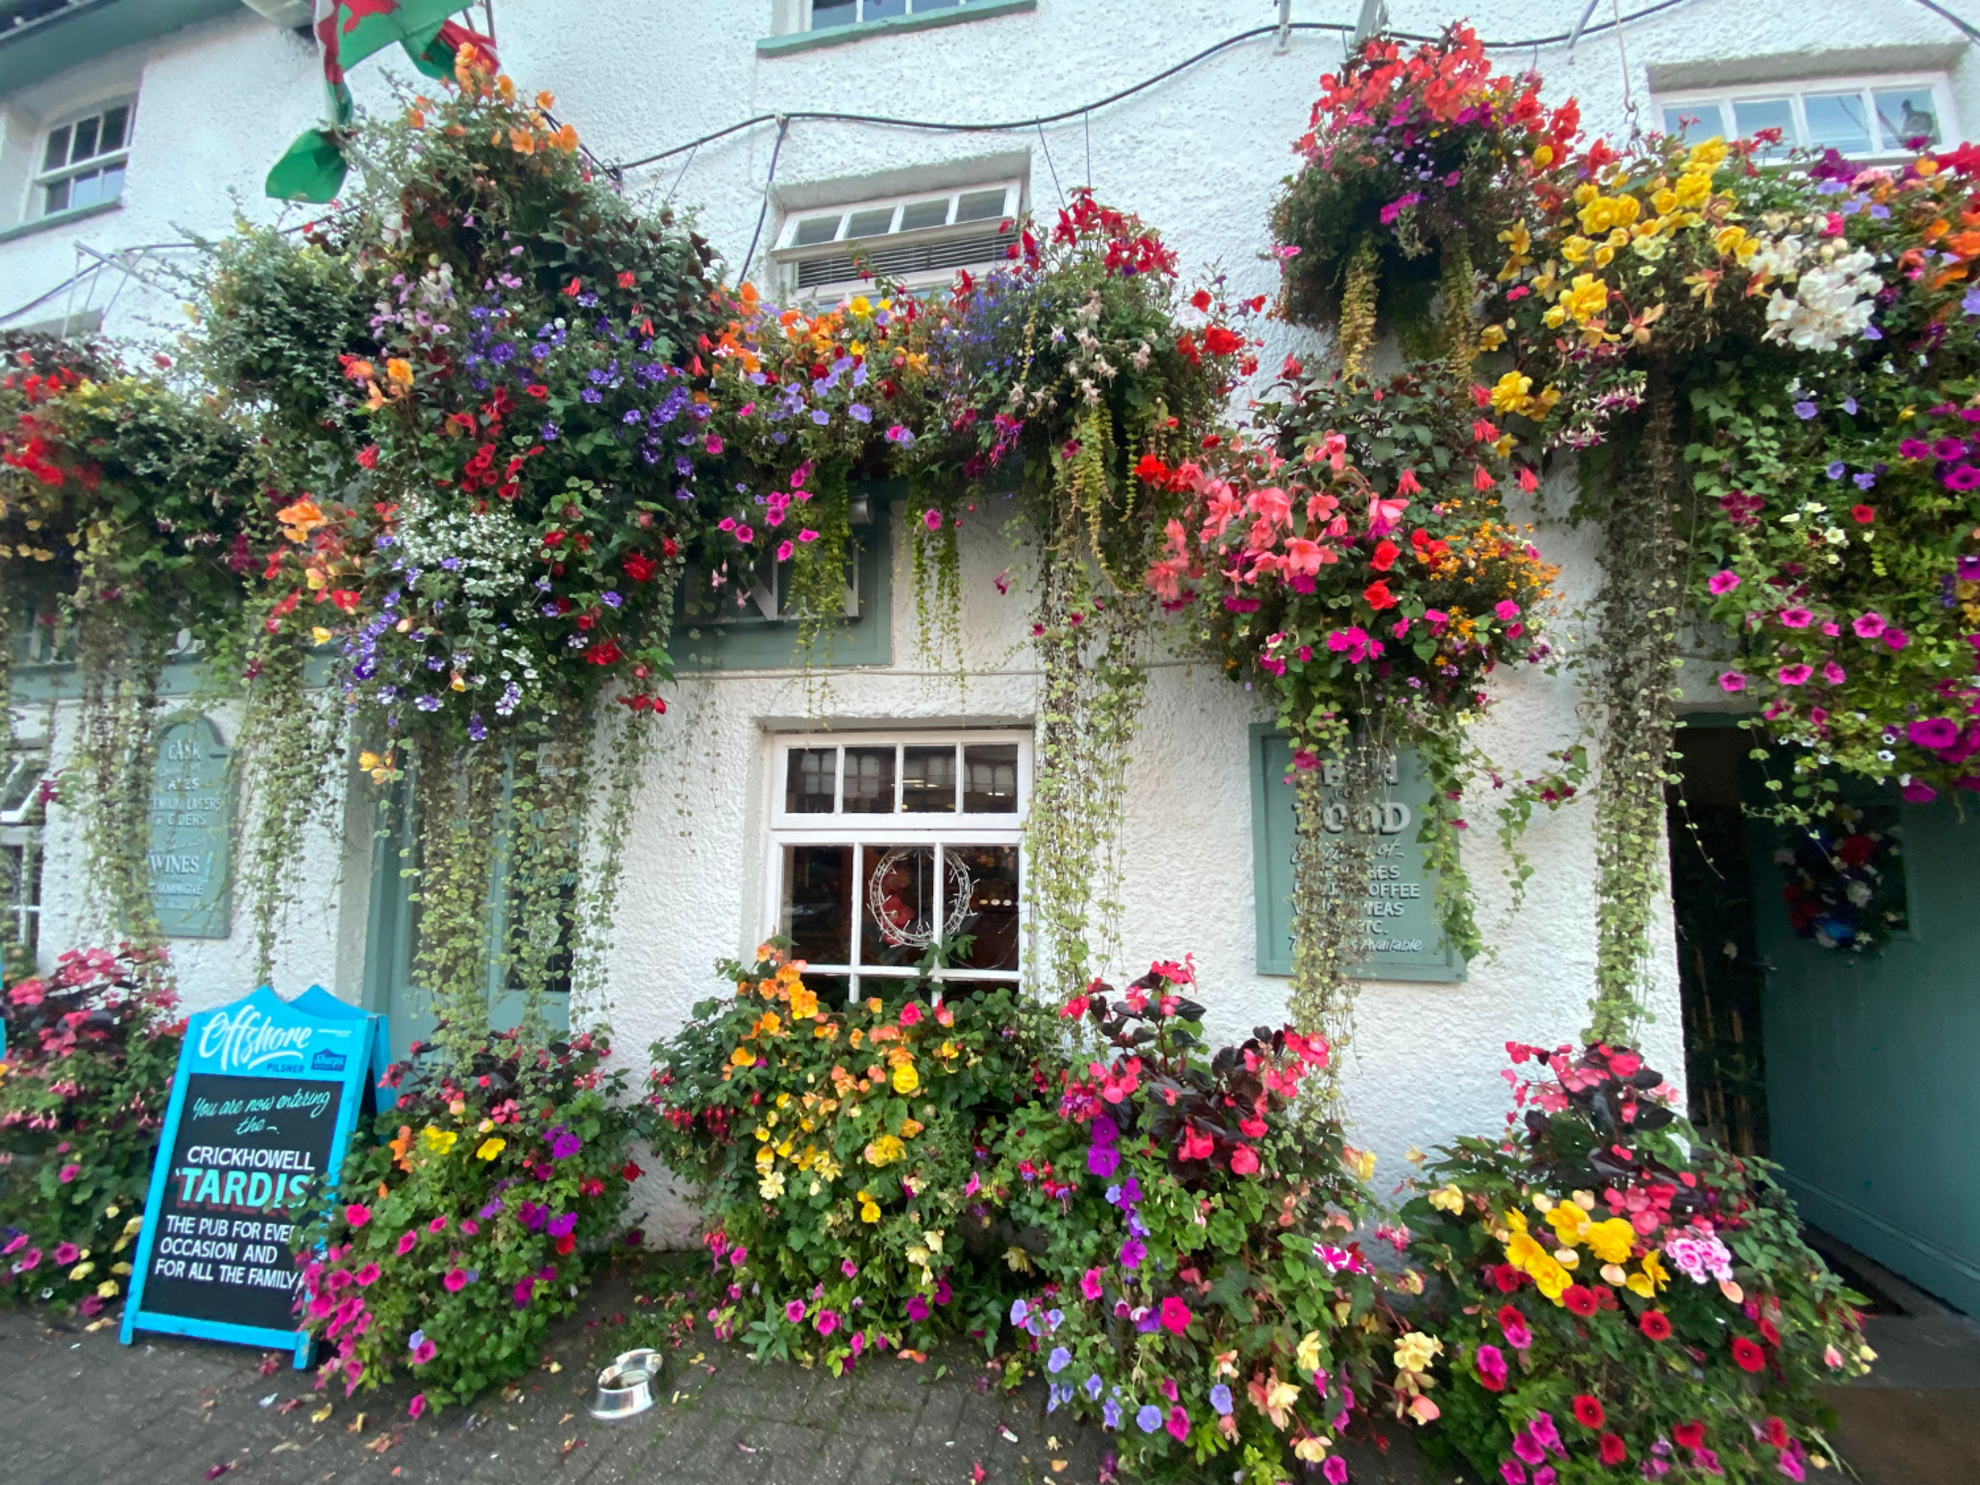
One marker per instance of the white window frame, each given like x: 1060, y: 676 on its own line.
x: 45, y: 176
x: 21, y: 830
x: 863, y: 831
x: 859, y: 13
x: 789, y: 253
x: 1796, y: 92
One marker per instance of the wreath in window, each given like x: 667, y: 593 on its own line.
x: 1845, y: 884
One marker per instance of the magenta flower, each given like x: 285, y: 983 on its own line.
x: 1089, y: 1283
x: 932, y: 519
x: 1506, y: 610
x: 1833, y: 673
x: 1793, y: 675
x: 1895, y: 638
x: 417, y: 1405
x: 523, y: 1289
x: 827, y: 1322
x: 1492, y: 1368
x: 424, y: 1352
x: 1178, y: 1423
x: 1732, y: 682
x: 406, y: 1241
x: 794, y: 1311
x: 1722, y: 582
x: 1933, y: 733
x: 1868, y: 626
x: 917, y: 1307
x: 367, y: 1276
x: 849, y: 1269
x: 1796, y: 618
x: 455, y: 1281
x: 1917, y: 793
x: 357, y: 1214
x: 1175, y: 1315
x: 66, y: 1253
x: 438, y: 1224
x: 68, y: 1173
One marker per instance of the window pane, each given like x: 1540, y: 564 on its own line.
x: 869, y: 786
x: 57, y: 197
x: 922, y: 7
x: 876, y: 222
x: 1837, y: 121
x: 980, y: 206
x: 833, y: 13
x: 809, y: 780
x: 882, y: 10
x: 1755, y: 114
x: 1906, y: 114
x: 897, y: 903
x: 816, y: 230
x: 113, y: 182
x: 1695, y: 121
x: 817, y: 903
x: 114, y: 120
x: 988, y: 876
x: 925, y: 214
x: 928, y: 781
x: 86, y: 189
x: 85, y: 144
x: 990, y: 779
x: 57, y: 154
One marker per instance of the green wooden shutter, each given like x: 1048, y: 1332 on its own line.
x: 1401, y: 894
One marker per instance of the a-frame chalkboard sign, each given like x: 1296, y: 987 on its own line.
x: 267, y: 1094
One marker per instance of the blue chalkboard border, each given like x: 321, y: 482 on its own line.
x: 361, y: 1074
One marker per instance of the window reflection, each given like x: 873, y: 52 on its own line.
x: 869, y: 782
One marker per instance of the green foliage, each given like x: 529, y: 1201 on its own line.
x: 1604, y: 1304
x: 1184, y: 1228
x: 840, y: 1156
x: 456, y: 1242
x: 84, y: 1083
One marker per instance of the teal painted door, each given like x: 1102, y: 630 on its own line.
x: 392, y: 940
x: 1872, y: 1096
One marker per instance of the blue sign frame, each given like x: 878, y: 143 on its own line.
x: 314, y: 1039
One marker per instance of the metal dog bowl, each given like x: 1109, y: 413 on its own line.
x: 622, y: 1391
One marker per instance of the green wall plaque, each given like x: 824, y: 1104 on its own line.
x: 192, y: 807
x: 1401, y: 900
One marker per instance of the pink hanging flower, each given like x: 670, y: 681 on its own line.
x: 357, y: 1214
x: 1721, y: 583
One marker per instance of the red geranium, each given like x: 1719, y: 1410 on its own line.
x: 1656, y: 1324
x: 1614, y: 1451
x: 1588, y: 1411
x: 1690, y: 1435
x: 1580, y: 1299
x: 1748, y: 1354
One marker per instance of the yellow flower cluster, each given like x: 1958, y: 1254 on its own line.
x: 1610, y: 1243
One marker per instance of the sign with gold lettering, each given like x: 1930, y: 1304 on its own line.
x: 1406, y: 940
x: 192, y: 807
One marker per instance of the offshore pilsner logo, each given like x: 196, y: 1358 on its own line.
x: 247, y: 1039
x: 327, y: 1061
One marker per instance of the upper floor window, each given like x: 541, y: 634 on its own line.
x: 1865, y: 118
x: 827, y: 13
x: 919, y: 240
x: 82, y: 161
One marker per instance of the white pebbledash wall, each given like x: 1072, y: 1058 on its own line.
x: 1200, y: 156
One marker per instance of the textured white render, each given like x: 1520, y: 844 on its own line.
x: 1200, y: 156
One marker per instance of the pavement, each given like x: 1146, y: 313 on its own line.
x: 77, y: 1408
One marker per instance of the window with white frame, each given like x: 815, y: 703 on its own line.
x: 919, y: 240
x: 891, y: 852
x: 82, y: 161
x: 828, y: 13
x: 21, y: 817
x: 1865, y: 118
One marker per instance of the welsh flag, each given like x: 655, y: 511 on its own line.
x: 314, y: 167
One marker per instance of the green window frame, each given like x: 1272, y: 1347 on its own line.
x: 1399, y: 865
x: 755, y: 642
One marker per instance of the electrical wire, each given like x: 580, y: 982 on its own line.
x: 1008, y: 125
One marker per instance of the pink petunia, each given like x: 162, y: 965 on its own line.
x: 417, y: 1405
x: 1089, y: 1283
x: 1868, y: 626
x: 68, y: 1173
x: 827, y: 1322
x: 357, y: 1214
x: 1175, y: 1315
x: 1722, y: 582
x: 1732, y: 682
x: 455, y: 1281
x: 1796, y: 618
x: 407, y: 1240
x: 1793, y: 675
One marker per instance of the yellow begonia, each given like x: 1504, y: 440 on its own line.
x: 1707, y: 155
x: 1586, y: 298
x: 439, y: 1141
x: 1415, y: 1351
x: 906, y: 1079
x: 1693, y: 187
x: 1612, y: 1240
x: 1653, y: 1277
x: 1313, y: 1448
x: 804, y: 1003
x: 1508, y: 395
x: 1569, y: 1221
x: 869, y: 1209
x: 771, y: 1186
x: 765, y: 1157
x: 1308, y: 1355
x: 885, y: 1150
x: 490, y: 1148
x: 1449, y: 1198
